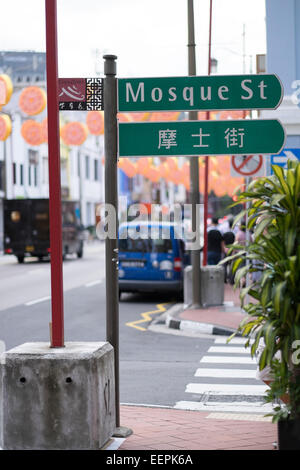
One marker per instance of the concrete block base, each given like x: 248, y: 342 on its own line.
x: 58, y: 398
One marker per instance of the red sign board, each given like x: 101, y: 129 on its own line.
x: 80, y: 94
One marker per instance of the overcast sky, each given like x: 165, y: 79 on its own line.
x: 148, y: 36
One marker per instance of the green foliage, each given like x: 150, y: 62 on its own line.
x: 274, y: 309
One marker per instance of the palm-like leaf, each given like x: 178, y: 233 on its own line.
x: 274, y: 217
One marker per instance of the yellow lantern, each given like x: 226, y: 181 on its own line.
x: 6, y: 89
x: 5, y: 127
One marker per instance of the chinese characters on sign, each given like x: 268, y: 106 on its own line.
x: 138, y: 139
x: 234, y: 138
x: 167, y: 138
x: 80, y: 94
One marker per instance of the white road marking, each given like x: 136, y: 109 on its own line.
x: 226, y: 389
x: 236, y: 407
x: 115, y: 443
x: 37, y: 301
x: 228, y: 360
x: 228, y: 349
x: 223, y: 340
x: 93, y: 283
x: 226, y: 373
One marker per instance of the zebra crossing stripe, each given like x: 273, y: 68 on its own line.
x: 236, y: 407
x: 228, y: 360
x: 226, y: 389
x: 226, y: 373
x: 228, y: 349
x: 224, y: 339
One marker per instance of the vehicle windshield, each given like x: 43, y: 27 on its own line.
x: 148, y: 245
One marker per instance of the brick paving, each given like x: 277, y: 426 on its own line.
x: 170, y: 429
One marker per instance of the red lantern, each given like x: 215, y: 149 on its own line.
x: 32, y: 132
x: 32, y: 100
x: 95, y: 122
x: 74, y: 133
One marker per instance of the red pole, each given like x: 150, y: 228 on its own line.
x: 57, y: 326
x: 207, y: 158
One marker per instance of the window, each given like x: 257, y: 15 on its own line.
x: 35, y: 173
x: 1, y: 175
x: 96, y: 170
x: 45, y: 170
x: 33, y: 157
x: 78, y: 165
x: 141, y: 245
x: 14, y: 173
x: 29, y: 175
x: 21, y: 174
x: 87, y: 167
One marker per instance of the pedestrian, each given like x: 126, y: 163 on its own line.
x: 229, y: 238
x: 215, y: 243
x: 240, y: 236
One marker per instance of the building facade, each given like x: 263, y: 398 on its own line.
x: 283, y: 58
x: 24, y: 168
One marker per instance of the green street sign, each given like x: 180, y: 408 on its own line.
x: 145, y: 139
x: 207, y: 93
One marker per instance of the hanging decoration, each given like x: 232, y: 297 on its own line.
x: 74, y: 133
x: 164, y: 116
x: 31, y: 132
x: 143, y: 164
x: 124, y: 117
x: 5, y: 127
x: 32, y: 100
x: 6, y: 89
x: 95, y: 122
x: 129, y: 168
x: 44, y: 125
x: 153, y: 174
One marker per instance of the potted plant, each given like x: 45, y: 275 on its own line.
x: 273, y: 311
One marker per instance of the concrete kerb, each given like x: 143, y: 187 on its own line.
x: 171, y: 320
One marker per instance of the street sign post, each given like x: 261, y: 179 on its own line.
x: 193, y: 138
x: 207, y: 93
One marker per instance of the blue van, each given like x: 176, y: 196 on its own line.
x: 152, y: 257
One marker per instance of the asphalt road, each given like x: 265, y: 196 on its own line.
x: 154, y: 367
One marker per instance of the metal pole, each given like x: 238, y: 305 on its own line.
x: 111, y: 199
x: 207, y: 157
x: 57, y: 327
x: 194, y: 167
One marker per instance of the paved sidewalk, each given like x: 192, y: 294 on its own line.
x: 223, y: 319
x: 157, y: 428
x: 170, y: 429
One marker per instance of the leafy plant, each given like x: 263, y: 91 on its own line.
x: 273, y: 214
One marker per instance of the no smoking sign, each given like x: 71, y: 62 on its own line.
x: 247, y: 165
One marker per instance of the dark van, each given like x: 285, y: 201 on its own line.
x: 26, y: 228
x: 153, y: 260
